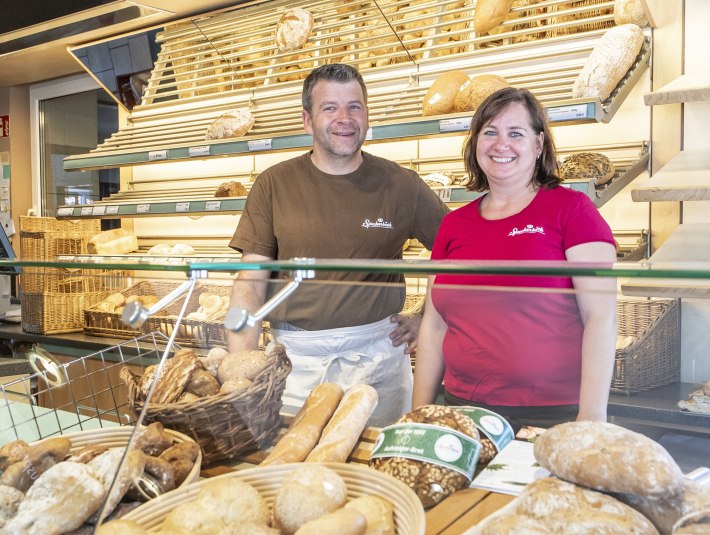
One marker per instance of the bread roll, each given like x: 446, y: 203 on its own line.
x: 293, y: 29
x: 159, y: 249
x: 609, y: 61
x: 13, y: 452
x: 440, y: 96
x: 476, y: 90
x: 234, y: 501
x: 121, y: 527
x: 10, y: 499
x: 231, y: 189
x: 609, y: 458
x: 490, y: 13
x: 241, y: 364
x: 182, y: 249
x: 174, y: 376
x: 234, y: 385
x: 343, y: 431
x: 307, y: 425
x: 592, y: 165
x: 202, y: 383
x: 192, y: 518
x: 106, y: 466
x: 306, y: 493
x: 567, y: 508
x: 234, y: 123
x: 629, y: 12
x: 378, y: 512
x: 343, y: 522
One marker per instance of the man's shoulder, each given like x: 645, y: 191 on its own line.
x: 388, y: 166
x: 284, y: 167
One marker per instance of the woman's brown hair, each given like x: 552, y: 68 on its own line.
x: 546, y: 170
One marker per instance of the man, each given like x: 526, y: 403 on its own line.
x: 337, y: 202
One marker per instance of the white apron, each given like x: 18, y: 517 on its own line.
x: 347, y: 356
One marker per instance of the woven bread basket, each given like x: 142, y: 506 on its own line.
x: 409, y: 517
x: 224, y: 425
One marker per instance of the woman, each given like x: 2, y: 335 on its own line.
x: 536, y: 357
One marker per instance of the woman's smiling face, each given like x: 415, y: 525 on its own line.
x: 507, y: 147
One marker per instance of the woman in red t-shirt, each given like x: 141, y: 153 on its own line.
x: 537, y: 350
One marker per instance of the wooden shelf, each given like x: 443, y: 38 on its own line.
x: 685, y: 178
x: 689, y: 244
x: 686, y: 88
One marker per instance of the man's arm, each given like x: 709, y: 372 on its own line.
x: 249, y: 292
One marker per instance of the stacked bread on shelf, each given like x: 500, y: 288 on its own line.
x: 588, y: 165
x: 604, y: 479
x: 113, y: 242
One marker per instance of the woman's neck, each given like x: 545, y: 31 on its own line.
x: 500, y: 203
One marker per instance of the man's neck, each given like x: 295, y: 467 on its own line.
x: 334, y: 165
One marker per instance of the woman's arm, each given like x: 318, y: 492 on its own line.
x: 596, y: 297
x: 429, y: 363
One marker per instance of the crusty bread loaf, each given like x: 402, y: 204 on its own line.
x: 232, y: 188
x: 567, y: 508
x: 441, y: 94
x: 609, y: 458
x: 609, y: 61
x: 122, y: 245
x: 629, y: 12
x: 475, y: 90
x: 234, y: 123
x: 234, y: 500
x: 174, y: 376
x: 344, y: 428
x: 293, y: 29
x: 592, y: 165
x: 343, y: 522
x: 307, y: 425
x: 513, y: 524
x: 121, y: 527
x: 490, y: 13
x: 105, y: 237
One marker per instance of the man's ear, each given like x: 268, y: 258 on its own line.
x: 305, y: 116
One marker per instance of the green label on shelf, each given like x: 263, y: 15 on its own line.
x: 429, y: 443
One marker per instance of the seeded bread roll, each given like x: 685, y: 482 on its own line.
x: 592, y: 165
x: 293, y: 29
x: 609, y: 458
x: 442, y: 93
x: 609, y: 61
x: 475, y: 90
x: 234, y: 123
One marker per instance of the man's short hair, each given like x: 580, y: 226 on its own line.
x: 337, y: 72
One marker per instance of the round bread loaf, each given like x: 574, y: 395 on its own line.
x: 629, y: 12
x: 293, y: 29
x: 235, y: 501
x: 591, y: 165
x: 431, y: 482
x: 231, y: 189
x: 308, y: 492
x: 476, y: 89
x: 234, y: 123
x: 241, y: 364
x: 440, y: 96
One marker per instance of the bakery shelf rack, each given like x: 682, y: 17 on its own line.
x: 693, y: 87
x: 203, y: 71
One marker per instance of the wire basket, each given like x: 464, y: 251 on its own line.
x: 224, y: 425
x: 77, y: 394
x: 653, y: 358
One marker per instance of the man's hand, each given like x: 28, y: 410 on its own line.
x: 406, y: 331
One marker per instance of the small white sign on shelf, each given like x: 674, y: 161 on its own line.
x: 213, y: 206
x: 65, y: 211
x: 455, y: 125
x: 155, y: 155
x: 182, y: 207
x: 143, y: 208
x: 259, y: 144
x: 112, y: 209
x: 99, y: 210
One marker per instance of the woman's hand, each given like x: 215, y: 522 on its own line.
x: 406, y: 331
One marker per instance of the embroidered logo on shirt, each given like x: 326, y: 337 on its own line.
x: 380, y: 223
x: 529, y: 229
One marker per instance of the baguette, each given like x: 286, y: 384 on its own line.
x: 307, y: 425
x: 609, y: 458
x: 342, y: 521
x: 343, y: 431
x: 490, y: 13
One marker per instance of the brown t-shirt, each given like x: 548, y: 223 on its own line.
x: 295, y: 210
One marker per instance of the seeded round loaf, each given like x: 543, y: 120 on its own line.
x: 431, y: 482
x: 592, y: 165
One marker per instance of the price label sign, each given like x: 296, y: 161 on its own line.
x: 65, y: 211
x: 154, y: 155
x: 112, y: 209
x: 99, y: 210
x: 368, y: 136
x: 87, y: 210
x: 213, y: 206
x: 182, y: 207
x: 143, y: 208
x: 455, y: 125
x: 445, y: 193
x: 572, y: 112
x: 259, y: 144
x: 203, y: 150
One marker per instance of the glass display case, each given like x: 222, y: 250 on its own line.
x: 144, y: 315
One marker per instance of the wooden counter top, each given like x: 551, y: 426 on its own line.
x: 463, y: 510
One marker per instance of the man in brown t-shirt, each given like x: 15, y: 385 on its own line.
x: 337, y: 201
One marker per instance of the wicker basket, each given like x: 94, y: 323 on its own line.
x: 52, y: 313
x: 653, y: 358
x: 224, y: 425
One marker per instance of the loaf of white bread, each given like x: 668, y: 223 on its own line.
x: 115, y: 241
x: 490, y: 13
x: 307, y: 425
x: 234, y: 123
x: 293, y: 29
x: 629, y: 12
x: 475, y: 90
x: 609, y: 61
x: 440, y: 96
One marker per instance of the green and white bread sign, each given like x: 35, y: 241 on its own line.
x: 493, y: 425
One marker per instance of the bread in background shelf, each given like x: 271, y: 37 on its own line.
x: 440, y: 96
x: 474, y: 91
x: 233, y: 188
x: 490, y: 13
x: 234, y: 123
x: 629, y: 12
x: 293, y: 29
x: 591, y: 165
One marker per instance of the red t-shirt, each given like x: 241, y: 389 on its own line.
x: 520, y: 345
